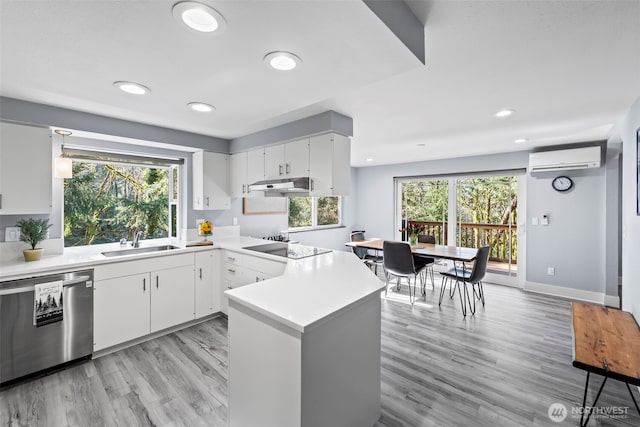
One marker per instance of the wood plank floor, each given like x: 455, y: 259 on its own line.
x: 502, y: 367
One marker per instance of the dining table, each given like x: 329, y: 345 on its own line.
x: 457, y: 254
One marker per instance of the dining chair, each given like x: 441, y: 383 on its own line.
x: 463, y: 277
x: 364, y: 254
x: 398, y: 261
x: 426, y: 263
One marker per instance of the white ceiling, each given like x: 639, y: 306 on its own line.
x: 570, y: 69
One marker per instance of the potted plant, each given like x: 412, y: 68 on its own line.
x: 33, y: 231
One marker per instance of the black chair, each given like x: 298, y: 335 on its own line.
x: 464, y: 277
x: 424, y: 262
x: 398, y: 261
x: 362, y: 253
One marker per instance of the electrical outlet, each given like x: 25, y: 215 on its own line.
x: 12, y: 234
x: 551, y: 271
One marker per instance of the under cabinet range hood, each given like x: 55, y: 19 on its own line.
x: 285, y: 187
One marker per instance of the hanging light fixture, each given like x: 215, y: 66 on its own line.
x: 63, y: 165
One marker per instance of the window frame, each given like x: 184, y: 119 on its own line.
x: 314, y: 216
x: 173, y: 189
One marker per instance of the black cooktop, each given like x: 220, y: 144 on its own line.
x: 287, y: 250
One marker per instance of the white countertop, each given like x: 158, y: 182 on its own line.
x: 82, y: 257
x: 310, y: 290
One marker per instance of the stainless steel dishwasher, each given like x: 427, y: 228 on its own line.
x: 26, y: 348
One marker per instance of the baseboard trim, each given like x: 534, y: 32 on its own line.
x: 612, y: 301
x: 576, y: 294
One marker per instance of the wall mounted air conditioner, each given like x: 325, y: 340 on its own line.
x: 572, y: 158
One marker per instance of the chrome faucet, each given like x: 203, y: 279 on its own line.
x: 136, y: 239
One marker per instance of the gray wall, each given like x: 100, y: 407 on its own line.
x: 38, y: 114
x: 573, y: 243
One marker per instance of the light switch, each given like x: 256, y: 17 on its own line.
x: 12, y: 234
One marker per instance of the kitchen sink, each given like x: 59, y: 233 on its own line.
x: 134, y: 251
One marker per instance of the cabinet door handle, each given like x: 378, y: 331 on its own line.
x: 144, y: 284
x: 311, y: 183
x: 288, y: 168
x: 157, y: 282
x: 229, y: 287
x: 200, y: 274
x: 230, y: 258
x: 243, y: 190
x: 207, y: 200
x: 280, y: 170
x: 230, y: 270
x: 257, y: 279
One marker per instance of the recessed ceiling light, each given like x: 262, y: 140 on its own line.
x: 282, y: 61
x: 369, y: 159
x: 504, y: 113
x: 133, y: 88
x: 201, y: 107
x: 199, y: 17
x: 520, y: 140
x: 62, y: 132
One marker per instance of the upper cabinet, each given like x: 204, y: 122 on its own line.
x: 210, y: 181
x: 330, y: 165
x: 290, y: 160
x: 25, y: 169
x: 326, y: 159
x: 246, y: 168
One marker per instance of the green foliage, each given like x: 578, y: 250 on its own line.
x: 300, y: 212
x: 103, y: 203
x: 33, y: 231
x: 479, y: 201
x: 328, y: 210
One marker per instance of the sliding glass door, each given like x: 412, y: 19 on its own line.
x: 468, y: 211
x: 487, y: 213
x: 426, y: 203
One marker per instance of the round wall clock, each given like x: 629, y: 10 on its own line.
x: 562, y: 183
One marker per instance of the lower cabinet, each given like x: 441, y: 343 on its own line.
x: 207, y: 289
x: 241, y: 269
x: 121, y: 309
x: 172, y: 297
x: 135, y: 298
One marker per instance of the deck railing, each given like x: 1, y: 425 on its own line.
x: 502, y: 238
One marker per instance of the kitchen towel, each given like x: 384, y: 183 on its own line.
x: 47, y: 303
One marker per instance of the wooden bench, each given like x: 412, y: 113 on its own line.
x: 606, y: 341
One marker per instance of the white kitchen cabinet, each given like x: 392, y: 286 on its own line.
x: 245, y: 169
x: 287, y: 160
x: 210, y: 181
x: 242, y: 269
x: 330, y: 165
x: 238, y: 174
x: 121, y: 309
x: 255, y: 166
x: 207, y: 280
x: 26, y: 159
x: 135, y: 298
x: 172, y: 297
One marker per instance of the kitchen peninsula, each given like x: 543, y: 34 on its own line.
x: 304, y: 346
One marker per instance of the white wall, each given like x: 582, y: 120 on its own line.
x: 630, y: 220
